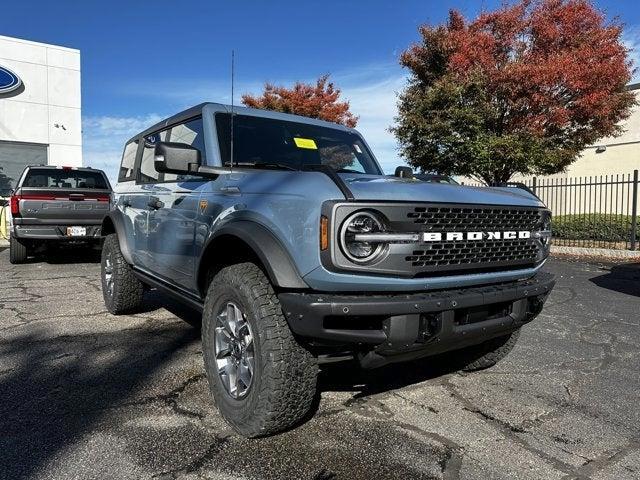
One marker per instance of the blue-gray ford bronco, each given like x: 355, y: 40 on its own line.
x: 297, y: 249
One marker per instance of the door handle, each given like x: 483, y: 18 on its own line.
x: 230, y: 189
x: 155, y: 204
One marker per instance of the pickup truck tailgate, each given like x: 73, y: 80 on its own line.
x: 68, y: 206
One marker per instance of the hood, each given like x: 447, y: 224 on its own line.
x: 377, y: 188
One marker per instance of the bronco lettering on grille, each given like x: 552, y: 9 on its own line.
x: 459, y: 236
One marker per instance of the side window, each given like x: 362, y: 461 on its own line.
x: 148, y: 173
x: 127, y: 165
x: 189, y: 133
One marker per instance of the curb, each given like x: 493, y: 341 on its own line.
x: 596, y: 252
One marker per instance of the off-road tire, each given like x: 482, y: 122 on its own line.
x: 487, y: 354
x: 18, y: 251
x: 285, y: 374
x: 128, y: 290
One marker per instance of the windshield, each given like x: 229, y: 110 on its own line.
x: 64, y: 178
x: 269, y: 143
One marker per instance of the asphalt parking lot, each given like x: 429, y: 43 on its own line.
x: 84, y: 394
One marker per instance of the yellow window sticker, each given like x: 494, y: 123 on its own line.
x: 305, y: 143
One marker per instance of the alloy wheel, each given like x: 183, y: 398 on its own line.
x: 108, y: 273
x: 234, y: 350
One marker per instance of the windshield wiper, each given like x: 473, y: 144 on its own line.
x: 281, y: 166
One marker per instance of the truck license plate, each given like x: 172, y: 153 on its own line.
x: 76, y: 231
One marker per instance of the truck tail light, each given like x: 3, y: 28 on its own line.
x: 39, y: 196
x: 14, y: 201
x: 324, y: 233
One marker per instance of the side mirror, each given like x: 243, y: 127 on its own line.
x: 404, y: 172
x: 172, y: 157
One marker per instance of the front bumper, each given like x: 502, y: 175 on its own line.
x: 54, y: 232
x: 430, y: 322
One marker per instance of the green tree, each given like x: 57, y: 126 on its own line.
x: 522, y: 89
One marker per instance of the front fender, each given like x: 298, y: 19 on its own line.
x: 277, y: 262
x: 114, y: 222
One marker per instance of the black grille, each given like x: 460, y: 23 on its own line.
x: 461, y: 219
x: 467, y: 253
x: 473, y: 254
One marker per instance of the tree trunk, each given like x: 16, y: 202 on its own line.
x: 496, y: 178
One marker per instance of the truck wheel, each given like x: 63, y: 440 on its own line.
x: 121, y: 289
x: 18, y: 251
x: 487, y: 354
x: 263, y: 381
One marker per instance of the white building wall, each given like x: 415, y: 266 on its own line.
x: 48, y: 111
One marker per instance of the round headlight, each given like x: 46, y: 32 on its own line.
x: 353, y: 233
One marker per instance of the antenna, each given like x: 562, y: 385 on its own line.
x: 231, y: 120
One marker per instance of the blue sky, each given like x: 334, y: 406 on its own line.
x: 142, y: 61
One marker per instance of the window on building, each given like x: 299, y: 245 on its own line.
x: 13, y: 158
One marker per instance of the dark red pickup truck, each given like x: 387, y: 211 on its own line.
x: 54, y: 204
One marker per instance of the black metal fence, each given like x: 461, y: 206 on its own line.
x: 594, y: 212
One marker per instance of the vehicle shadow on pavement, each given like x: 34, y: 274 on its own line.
x: 349, y: 377
x: 154, y: 300
x: 58, y: 387
x: 623, y: 278
x: 59, y: 255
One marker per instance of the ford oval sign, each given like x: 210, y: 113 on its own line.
x: 9, y: 81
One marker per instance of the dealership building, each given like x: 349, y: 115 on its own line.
x: 40, y: 107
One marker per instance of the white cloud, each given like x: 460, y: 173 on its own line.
x: 120, y: 125
x: 104, y: 138
x: 631, y: 39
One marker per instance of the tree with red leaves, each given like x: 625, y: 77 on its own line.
x: 522, y: 89
x: 316, y: 101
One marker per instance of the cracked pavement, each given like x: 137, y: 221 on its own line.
x: 84, y: 394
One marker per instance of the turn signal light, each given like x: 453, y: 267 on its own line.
x: 324, y: 233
